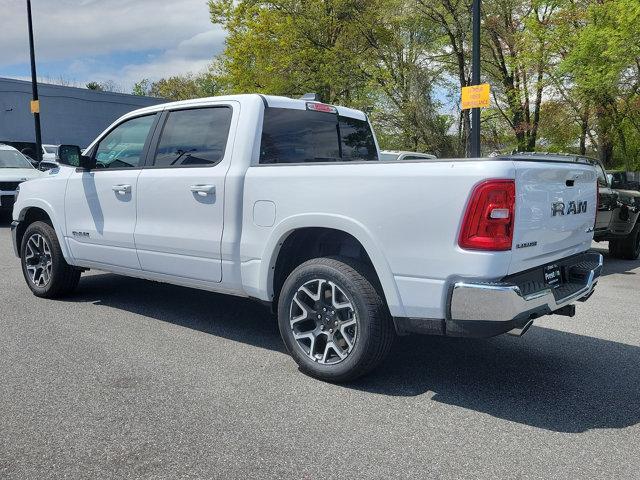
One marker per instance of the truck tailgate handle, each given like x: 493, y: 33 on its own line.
x: 121, y: 189
x: 203, y: 189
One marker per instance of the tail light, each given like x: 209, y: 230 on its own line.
x: 489, y: 219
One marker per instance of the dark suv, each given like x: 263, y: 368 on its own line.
x: 617, y: 219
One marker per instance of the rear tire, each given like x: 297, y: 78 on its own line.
x: 627, y: 248
x: 333, y: 321
x: 45, y: 270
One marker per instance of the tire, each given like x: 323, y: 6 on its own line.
x: 45, y: 270
x: 364, y: 332
x: 628, y: 248
x: 614, y: 248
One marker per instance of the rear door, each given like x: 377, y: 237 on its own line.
x: 100, y: 205
x: 181, y: 194
x: 555, y: 212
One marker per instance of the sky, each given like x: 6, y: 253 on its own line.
x: 122, y: 41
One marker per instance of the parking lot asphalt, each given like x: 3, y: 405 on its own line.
x: 136, y: 379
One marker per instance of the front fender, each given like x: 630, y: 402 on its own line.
x: 263, y: 284
x: 22, y: 207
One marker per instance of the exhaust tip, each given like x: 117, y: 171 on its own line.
x: 520, y: 331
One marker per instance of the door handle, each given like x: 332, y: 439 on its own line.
x: 203, y: 190
x: 121, y: 189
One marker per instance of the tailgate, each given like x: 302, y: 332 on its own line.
x: 555, y: 212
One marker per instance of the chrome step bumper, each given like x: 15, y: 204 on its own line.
x: 504, y: 302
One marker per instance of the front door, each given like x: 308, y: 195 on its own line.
x: 101, y: 203
x: 181, y: 195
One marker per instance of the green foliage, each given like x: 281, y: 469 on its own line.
x: 94, y: 86
x: 564, y: 73
x: 181, y: 87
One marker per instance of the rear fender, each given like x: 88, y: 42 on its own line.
x: 336, y: 222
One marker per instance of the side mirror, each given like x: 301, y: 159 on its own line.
x: 72, y: 155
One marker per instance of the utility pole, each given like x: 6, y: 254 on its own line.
x: 35, y: 104
x: 475, y: 80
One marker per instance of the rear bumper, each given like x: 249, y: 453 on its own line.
x: 487, y: 309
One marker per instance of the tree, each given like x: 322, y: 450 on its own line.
x: 182, y: 87
x: 517, y: 45
x: 142, y: 87
x: 452, y: 20
x: 604, y: 67
x: 94, y: 86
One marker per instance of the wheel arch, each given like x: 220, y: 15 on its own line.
x: 40, y: 211
x: 308, y: 230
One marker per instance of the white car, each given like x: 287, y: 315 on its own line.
x: 399, y: 155
x: 285, y: 201
x: 50, y: 152
x: 15, y: 168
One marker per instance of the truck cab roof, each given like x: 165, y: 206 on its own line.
x: 273, y: 101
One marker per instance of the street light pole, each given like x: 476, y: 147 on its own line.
x: 475, y: 80
x: 35, y: 105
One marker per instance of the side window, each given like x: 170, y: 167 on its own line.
x: 123, y: 146
x: 194, y: 137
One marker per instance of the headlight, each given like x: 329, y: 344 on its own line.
x: 17, y: 192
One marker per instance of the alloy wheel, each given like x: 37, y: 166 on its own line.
x: 38, y: 261
x: 323, y: 321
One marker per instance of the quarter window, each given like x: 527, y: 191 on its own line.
x: 195, y: 137
x: 123, y: 146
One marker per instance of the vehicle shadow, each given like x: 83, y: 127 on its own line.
x: 616, y: 265
x: 549, y: 379
x: 5, y: 219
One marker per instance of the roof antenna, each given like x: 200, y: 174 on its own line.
x: 311, y: 97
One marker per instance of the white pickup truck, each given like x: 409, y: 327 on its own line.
x: 286, y: 201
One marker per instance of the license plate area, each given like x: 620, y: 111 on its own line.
x: 552, y: 275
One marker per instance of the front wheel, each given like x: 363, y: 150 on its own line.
x: 45, y: 270
x: 333, y: 321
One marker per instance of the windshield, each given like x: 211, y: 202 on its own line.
x: 50, y: 148
x: 13, y: 159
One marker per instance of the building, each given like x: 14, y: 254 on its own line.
x: 68, y: 115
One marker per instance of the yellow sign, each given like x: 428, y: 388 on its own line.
x: 35, y: 106
x: 477, y: 96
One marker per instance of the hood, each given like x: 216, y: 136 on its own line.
x: 19, y: 174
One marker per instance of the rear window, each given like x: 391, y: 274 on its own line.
x: 301, y: 136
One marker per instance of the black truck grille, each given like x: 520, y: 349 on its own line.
x: 9, y: 186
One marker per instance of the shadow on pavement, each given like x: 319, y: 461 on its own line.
x: 548, y: 379
x: 5, y: 219
x: 615, y: 265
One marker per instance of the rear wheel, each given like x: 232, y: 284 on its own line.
x: 334, y: 322
x: 627, y: 248
x: 45, y: 270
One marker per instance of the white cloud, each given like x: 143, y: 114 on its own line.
x: 77, y: 30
